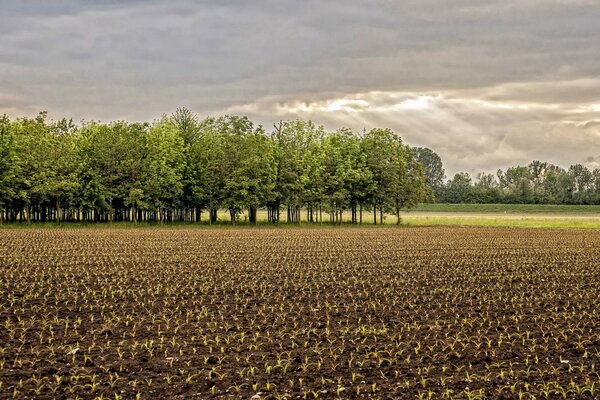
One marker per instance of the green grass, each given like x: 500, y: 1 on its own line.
x: 507, y: 208
x: 575, y: 222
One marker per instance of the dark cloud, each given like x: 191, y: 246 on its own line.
x: 138, y: 59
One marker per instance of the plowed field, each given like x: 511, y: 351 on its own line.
x: 299, y: 313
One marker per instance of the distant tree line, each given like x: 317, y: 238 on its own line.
x: 537, y: 183
x: 180, y: 168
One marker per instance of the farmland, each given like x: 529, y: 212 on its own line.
x: 509, y: 208
x: 408, y: 313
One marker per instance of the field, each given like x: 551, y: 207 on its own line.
x: 410, y: 313
x: 509, y: 208
x: 505, y: 215
x: 525, y: 220
x: 483, y: 215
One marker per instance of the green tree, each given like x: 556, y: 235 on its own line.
x: 64, y: 160
x: 9, y: 165
x: 163, y: 168
x: 112, y: 157
x: 408, y: 185
x: 459, y: 189
x: 248, y: 166
x: 486, y: 189
x: 344, y: 174
x: 379, y: 146
x: 517, y: 184
x: 192, y: 132
x: 34, y: 182
x: 434, y: 169
x: 583, y: 181
x: 295, y: 149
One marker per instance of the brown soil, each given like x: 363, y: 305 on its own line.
x: 299, y: 313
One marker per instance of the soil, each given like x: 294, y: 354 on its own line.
x: 299, y: 313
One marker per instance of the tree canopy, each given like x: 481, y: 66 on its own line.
x: 179, y: 167
x: 536, y: 183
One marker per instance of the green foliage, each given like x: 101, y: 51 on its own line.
x: 179, y: 166
x: 247, y: 164
x: 297, y: 154
x: 8, y: 163
x: 434, y: 169
x: 163, y: 165
x: 537, y: 183
x: 345, y: 173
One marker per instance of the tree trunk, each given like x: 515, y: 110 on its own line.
x: 57, y: 207
x: 361, y: 212
x: 374, y: 213
x: 252, y: 214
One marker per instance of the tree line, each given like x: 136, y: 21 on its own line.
x: 181, y: 168
x: 537, y: 183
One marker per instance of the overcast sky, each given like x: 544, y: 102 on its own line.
x: 486, y: 84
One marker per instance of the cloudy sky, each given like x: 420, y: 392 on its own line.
x: 486, y: 84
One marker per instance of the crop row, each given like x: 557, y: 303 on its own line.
x: 301, y: 313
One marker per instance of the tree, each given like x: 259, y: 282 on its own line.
x: 192, y: 131
x: 247, y: 167
x: 295, y: 146
x: 112, y: 156
x: 345, y: 173
x: 163, y: 168
x: 517, y: 184
x: 136, y: 200
x: 188, y: 126
x: 409, y: 181
x: 486, y: 189
x: 33, y: 182
x: 378, y: 146
x: 434, y: 169
x: 64, y: 156
x: 179, y: 166
x: 459, y: 189
x: 9, y: 164
x: 595, y: 191
x: 398, y: 178
x: 557, y: 186
x: 254, y: 179
x: 582, y: 179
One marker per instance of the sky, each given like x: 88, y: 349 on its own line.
x: 485, y: 84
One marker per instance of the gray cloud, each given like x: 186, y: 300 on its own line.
x: 513, y: 78
x: 470, y: 133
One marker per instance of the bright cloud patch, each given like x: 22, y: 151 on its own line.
x: 418, y: 103
x: 471, y: 131
x: 347, y: 105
